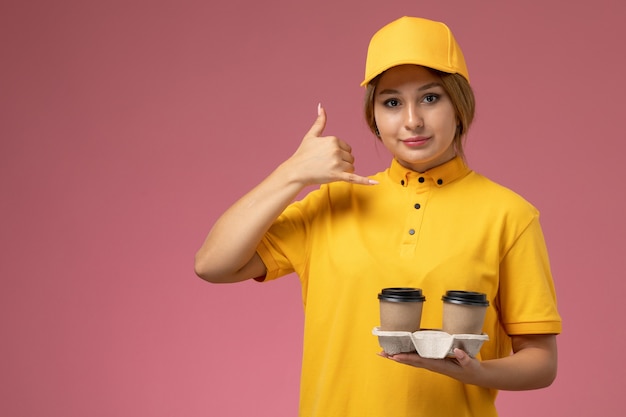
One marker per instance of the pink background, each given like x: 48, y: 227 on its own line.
x: 127, y: 127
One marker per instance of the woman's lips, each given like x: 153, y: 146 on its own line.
x: 416, y: 141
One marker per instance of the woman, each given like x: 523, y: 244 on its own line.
x: 427, y: 221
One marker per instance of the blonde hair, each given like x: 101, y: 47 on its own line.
x: 460, y: 93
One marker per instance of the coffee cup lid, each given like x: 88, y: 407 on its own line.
x: 401, y: 294
x: 466, y: 297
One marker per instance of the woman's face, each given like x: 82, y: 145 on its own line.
x: 415, y: 117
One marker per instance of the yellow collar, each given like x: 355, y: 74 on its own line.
x: 438, y: 176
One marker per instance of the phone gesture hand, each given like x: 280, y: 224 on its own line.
x: 323, y: 159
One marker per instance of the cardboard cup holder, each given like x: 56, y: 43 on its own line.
x: 434, y: 344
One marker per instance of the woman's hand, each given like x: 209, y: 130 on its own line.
x: 228, y: 254
x: 322, y: 159
x: 461, y: 367
x: 532, y: 365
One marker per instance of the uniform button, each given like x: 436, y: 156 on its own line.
x: 417, y: 205
x: 421, y: 179
x: 439, y: 181
x: 411, y: 231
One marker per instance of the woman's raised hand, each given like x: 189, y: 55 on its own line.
x: 323, y: 159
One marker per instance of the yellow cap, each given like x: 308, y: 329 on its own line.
x: 413, y: 40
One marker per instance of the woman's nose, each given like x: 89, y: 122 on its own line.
x: 413, y: 118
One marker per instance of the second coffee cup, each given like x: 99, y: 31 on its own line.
x: 401, y: 309
x: 464, y: 312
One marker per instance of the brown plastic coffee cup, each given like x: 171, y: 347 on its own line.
x: 464, y: 312
x: 401, y: 309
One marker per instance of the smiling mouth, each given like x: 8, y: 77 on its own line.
x: 415, y: 141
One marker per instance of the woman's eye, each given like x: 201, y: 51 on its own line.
x: 431, y: 98
x: 392, y: 102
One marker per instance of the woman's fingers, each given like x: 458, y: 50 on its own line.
x: 328, y: 158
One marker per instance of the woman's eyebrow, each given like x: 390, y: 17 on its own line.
x: 422, y: 88
x: 389, y: 91
x: 429, y: 85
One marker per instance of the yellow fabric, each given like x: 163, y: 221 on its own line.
x: 347, y: 242
x: 413, y: 40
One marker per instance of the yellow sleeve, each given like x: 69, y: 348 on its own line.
x: 527, y: 296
